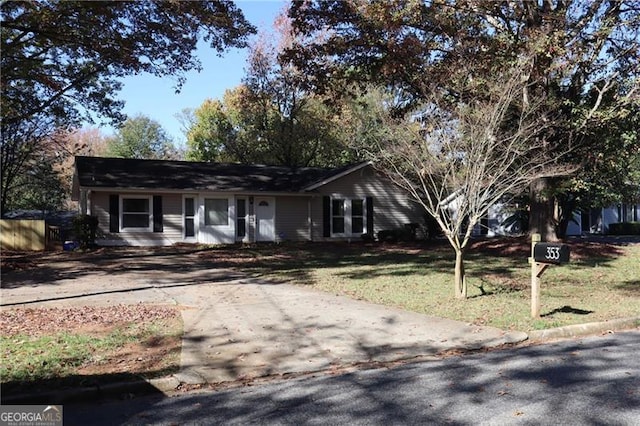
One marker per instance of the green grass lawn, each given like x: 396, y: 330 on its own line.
x: 81, y: 354
x: 27, y: 358
x: 602, y: 281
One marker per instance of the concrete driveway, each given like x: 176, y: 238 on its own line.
x: 238, y: 327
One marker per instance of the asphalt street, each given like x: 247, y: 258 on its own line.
x: 584, y: 381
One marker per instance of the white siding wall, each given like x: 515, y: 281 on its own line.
x: 575, y: 226
x: 601, y: 218
x: 291, y: 219
x: 171, y: 218
x: 99, y: 206
x: 392, y: 207
x: 619, y: 213
x: 496, y: 215
x: 609, y: 215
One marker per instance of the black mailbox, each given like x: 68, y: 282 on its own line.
x: 551, y: 253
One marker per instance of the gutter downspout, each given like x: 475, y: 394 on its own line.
x: 309, y: 219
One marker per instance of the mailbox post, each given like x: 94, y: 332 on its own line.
x: 543, y: 255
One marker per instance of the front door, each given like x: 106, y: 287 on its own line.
x: 265, y: 218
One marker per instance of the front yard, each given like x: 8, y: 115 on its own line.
x: 50, y: 348
x: 602, y: 281
x: 45, y: 348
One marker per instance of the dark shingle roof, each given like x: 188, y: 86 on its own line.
x: 100, y: 172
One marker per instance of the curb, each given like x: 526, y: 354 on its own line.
x: 584, y: 329
x: 121, y: 390
x: 167, y: 385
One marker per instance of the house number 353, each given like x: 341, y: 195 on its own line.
x: 553, y: 253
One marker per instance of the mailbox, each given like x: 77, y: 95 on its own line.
x: 551, y: 253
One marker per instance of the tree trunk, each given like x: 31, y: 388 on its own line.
x: 541, y: 214
x: 459, y: 280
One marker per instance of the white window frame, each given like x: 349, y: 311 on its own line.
x: 348, y: 216
x: 229, y: 211
x: 344, y: 216
x: 363, y: 216
x: 245, y: 217
x: 149, y: 228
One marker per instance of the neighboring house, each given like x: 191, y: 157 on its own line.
x: 156, y: 202
x: 492, y: 225
x: 597, y: 220
x: 594, y: 221
x: 501, y: 219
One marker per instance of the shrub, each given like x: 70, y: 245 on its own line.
x: 367, y: 237
x: 625, y: 228
x: 85, y: 227
x: 406, y: 233
x: 431, y: 228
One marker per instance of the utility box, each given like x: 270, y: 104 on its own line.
x: 555, y: 254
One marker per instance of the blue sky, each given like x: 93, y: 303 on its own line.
x: 156, y: 98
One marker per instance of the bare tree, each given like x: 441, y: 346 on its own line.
x: 458, y: 158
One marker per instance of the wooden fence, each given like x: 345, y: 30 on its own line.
x: 26, y: 234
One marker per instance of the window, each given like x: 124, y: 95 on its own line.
x: 216, y: 211
x: 348, y: 216
x: 628, y: 217
x: 136, y: 212
x: 189, y: 217
x: 625, y: 213
x: 241, y: 228
x: 337, y: 216
x: 357, y: 216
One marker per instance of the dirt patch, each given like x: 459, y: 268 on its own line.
x: 143, y: 358
x: 503, y: 247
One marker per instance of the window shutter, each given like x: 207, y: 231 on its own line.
x: 484, y: 225
x: 369, y: 202
x: 157, y: 213
x: 114, y: 213
x: 326, y: 216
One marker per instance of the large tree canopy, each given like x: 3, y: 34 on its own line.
x: 210, y: 133
x: 584, y: 58
x: 250, y: 126
x: 270, y: 118
x: 141, y: 137
x: 578, y: 46
x: 63, y: 57
x: 62, y: 60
